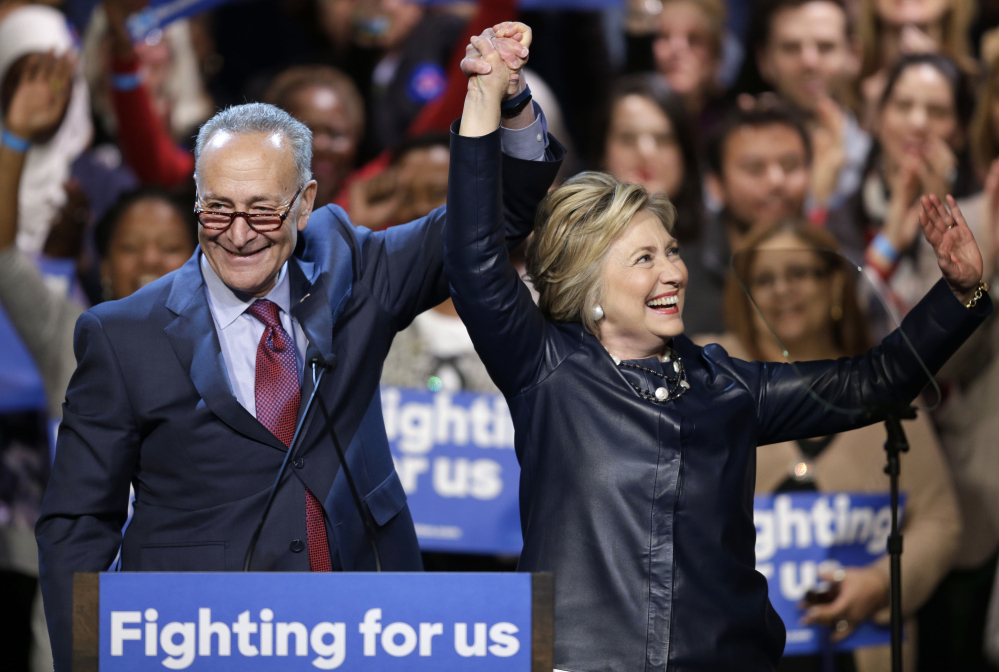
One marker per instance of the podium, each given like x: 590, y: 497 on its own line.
x: 261, y: 621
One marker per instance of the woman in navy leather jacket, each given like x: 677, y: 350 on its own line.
x: 638, y: 447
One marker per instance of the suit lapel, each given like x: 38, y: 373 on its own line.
x: 192, y: 335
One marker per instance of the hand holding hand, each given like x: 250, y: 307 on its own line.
x: 41, y: 96
x: 957, y: 252
x: 512, y: 40
x: 862, y: 591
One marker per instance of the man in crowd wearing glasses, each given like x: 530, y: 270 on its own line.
x: 191, y: 389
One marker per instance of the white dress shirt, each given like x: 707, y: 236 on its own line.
x: 239, y: 332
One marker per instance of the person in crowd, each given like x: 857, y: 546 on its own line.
x: 417, y: 44
x: 165, y: 62
x: 890, y: 29
x: 414, y: 183
x: 150, y: 91
x: 325, y: 100
x: 614, y: 408
x: 806, y: 53
x: 25, y: 32
x: 687, y: 53
x: 921, y: 148
x: 807, y: 295
x: 261, y: 286
x: 758, y: 169
x: 648, y: 140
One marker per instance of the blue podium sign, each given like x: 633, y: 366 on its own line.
x: 454, y: 455
x: 249, y: 622
x: 800, y: 534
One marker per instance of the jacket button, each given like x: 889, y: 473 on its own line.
x: 299, y: 462
x: 297, y: 546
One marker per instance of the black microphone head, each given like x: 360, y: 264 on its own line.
x: 315, y: 358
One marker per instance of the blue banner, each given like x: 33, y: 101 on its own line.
x: 303, y: 621
x: 800, y: 534
x: 454, y: 455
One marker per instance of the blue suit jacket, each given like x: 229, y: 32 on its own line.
x: 150, y: 406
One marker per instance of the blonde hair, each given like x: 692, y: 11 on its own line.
x: 716, y: 13
x: 576, y: 225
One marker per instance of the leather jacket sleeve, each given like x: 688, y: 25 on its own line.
x: 817, y: 398
x: 495, y: 305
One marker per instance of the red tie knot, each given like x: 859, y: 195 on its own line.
x: 267, y: 312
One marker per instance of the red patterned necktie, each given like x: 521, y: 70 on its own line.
x: 277, y: 397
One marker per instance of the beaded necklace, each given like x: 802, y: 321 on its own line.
x: 674, y: 387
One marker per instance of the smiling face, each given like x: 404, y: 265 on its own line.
x: 251, y: 173
x: 808, y: 53
x: 642, y: 147
x: 920, y: 107
x: 150, y: 240
x: 684, y: 51
x: 764, y: 174
x: 795, y: 290
x: 643, y: 286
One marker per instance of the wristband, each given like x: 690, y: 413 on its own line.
x: 15, y: 142
x: 883, y: 246
x: 126, y: 81
x: 511, y: 108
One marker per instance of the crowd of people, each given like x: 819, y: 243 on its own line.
x: 768, y: 125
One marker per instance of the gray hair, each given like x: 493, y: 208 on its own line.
x: 260, y: 118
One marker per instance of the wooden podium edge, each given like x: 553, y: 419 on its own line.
x: 542, y: 622
x: 86, y: 620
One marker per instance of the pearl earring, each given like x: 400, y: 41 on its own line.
x: 597, y: 313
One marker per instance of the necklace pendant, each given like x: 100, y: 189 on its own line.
x: 662, y: 394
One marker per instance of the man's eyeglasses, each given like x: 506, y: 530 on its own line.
x: 261, y: 222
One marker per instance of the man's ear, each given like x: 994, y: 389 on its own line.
x: 308, y: 200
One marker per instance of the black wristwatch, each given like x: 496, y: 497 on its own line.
x: 511, y: 108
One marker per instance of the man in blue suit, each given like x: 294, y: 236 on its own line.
x: 190, y: 389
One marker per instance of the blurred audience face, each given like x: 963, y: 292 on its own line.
x: 642, y: 267
x: 808, y: 54
x: 334, y: 137
x: 253, y: 173
x: 686, y: 51
x: 919, y: 110
x: 920, y: 13
x: 423, y: 177
x: 642, y: 146
x: 794, y: 289
x: 764, y: 174
x: 150, y: 239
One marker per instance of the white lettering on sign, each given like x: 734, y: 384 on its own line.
x: 417, y: 427
x: 182, y: 642
x: 825, y: 524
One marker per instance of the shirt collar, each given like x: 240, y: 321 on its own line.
x: 228, y: 304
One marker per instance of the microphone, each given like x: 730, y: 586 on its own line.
x: 369, y: 525
x: 314, y: 358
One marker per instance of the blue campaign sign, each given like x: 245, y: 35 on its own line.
x: 257, y: 622
x: 454, y: 455
x: 800, y: 534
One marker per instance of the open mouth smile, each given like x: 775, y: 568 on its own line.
x: 665, y: 304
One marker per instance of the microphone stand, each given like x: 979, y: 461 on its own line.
x: 892, y: 415
x: 287, y: 457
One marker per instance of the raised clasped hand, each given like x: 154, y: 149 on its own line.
x: 957, y: 252
x: 511, y: 40
x: 41, y: 96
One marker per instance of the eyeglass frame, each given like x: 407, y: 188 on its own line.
x: 248, y: 216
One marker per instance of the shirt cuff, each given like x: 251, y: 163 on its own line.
x: 527, y: 143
